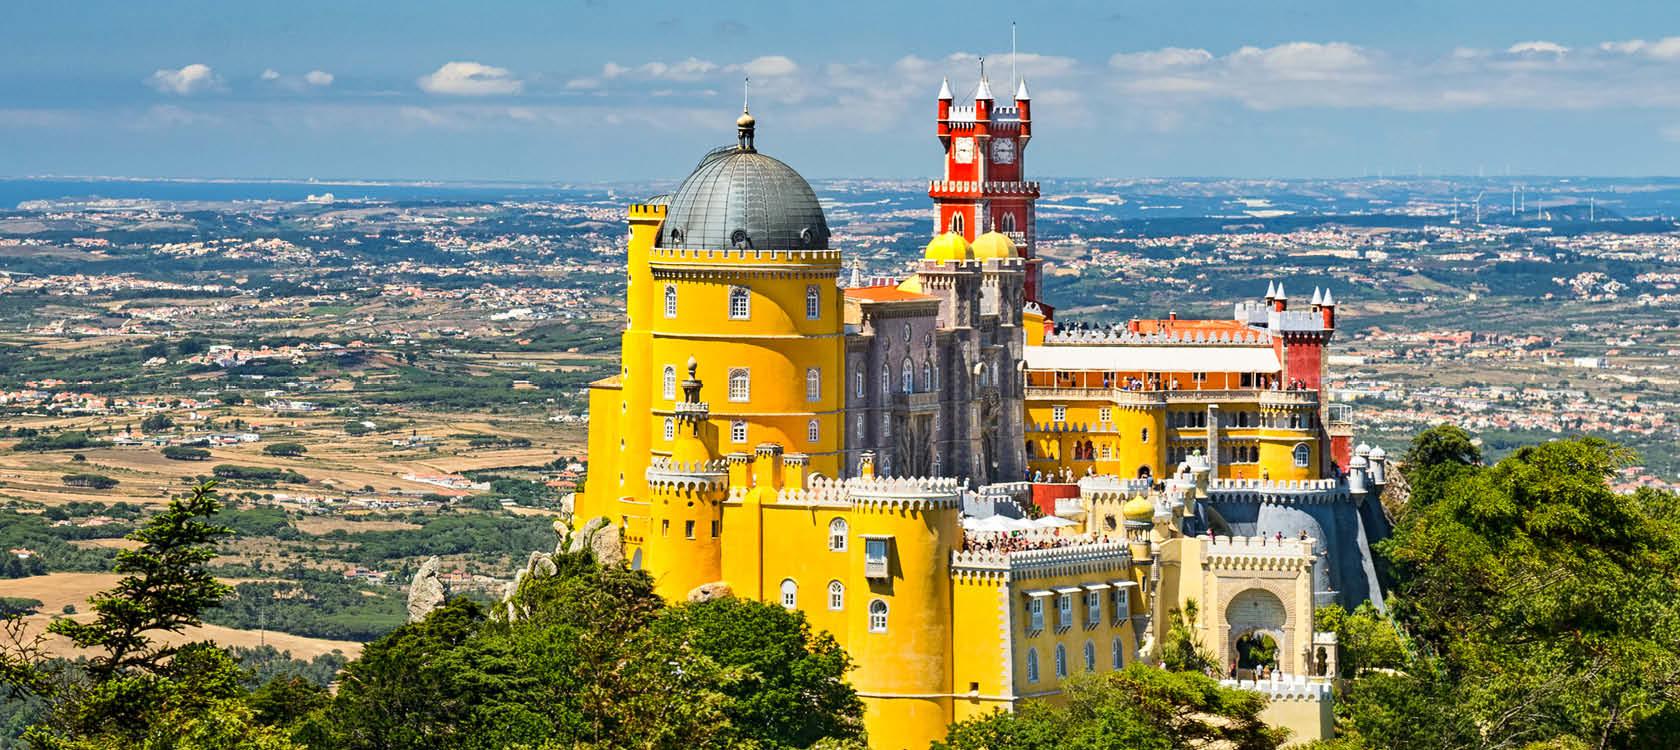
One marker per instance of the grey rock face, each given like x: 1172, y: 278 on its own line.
x: 426, y: 592
x: 706, y: 592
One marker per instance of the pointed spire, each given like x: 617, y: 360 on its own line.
x: 1328, y: 300
x: 1280, y: 294
x: 1271, y: 290
x: 1021, y: 94
x: 1318, y: 299
x: 945, y: 90
x: 985, y: 89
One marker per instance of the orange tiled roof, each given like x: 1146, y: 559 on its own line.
x: 886, y: 294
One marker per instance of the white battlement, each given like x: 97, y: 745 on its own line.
x: 1285, y: 688
x: 1273, y: 486
x: 1124, y: 336
x: 1109, y: 483
x: 1085, y: 553
x: 914, y: 491
x: 687, y: 474
x: 668, y: 254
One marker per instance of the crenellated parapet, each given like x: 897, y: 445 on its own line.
x: 1258, y: 553
x: 1110, y: 487
x: 1080, y: 558
x: 909, y: 493
x: 1111, y: 336
x: 1291, y: 688
x: 663, y: 472
x: 1287, y: 492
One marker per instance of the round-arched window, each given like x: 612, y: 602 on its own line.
x: 836, y: 595
x: 877, y: 616
x: 790, y: 594
x: 837, y: 530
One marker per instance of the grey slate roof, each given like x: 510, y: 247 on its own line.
x: 739, y: 198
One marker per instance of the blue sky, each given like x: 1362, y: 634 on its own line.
x: 606, y: 90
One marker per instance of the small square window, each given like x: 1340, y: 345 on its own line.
x: 1058, y: 413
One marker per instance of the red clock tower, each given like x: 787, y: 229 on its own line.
x: 983, y: 189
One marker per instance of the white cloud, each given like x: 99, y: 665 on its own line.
x: 192, y: 79
x: 1538, y: 47
x: 1160, y: 59
x: 318, y: 78
x: 470, y: 79
x: 1303, y: 61
x: 770, y: 66
x: 691, y: 69
x: 1667, y: 48
x: 271, y: 75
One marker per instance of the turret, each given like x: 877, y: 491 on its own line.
x: 1327, y: 308
x: 685, y: 499
x: 1379, y: 467
x: 1023, y: 104
x: 983, y: 104
x: 1280, y: 301
x: 945, y: 110
x: 1271, y: 293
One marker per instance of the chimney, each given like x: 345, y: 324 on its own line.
x: 740, y: 470
x: 794, y: 469
x: 767, y: 466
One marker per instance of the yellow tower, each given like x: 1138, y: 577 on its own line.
x: 684, y: 541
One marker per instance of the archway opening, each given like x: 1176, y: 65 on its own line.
x: 1256, y: 651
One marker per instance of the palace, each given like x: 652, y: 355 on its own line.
x: 976, y: 499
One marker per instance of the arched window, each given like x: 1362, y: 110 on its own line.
x: 837, y: 535
x: 738, y: 431
x: 1144, y: 437
x: 980, y: 374
x: 1009, y: 222
x: 813, y: 384
x: 877, y: 616
x: 927, y: 377
x: 813, y: 302
x: 957, y: 223
x: 935, y: 385
x: 1032, y: 665
x: 790, y: 594
x: 740, y: 384
x: 1090, y: 656
x: 740, y: 303
x: 1061, y: 661
x: 907, y: 376
x: 886, y: 379
x: 670, y: 300
x: 1302, y: 454
x: 813, y: 431
x: 836, y: 595
x: 1117, y: 653
x: 668, y: 383
x: 860, y: 383
x: 670, y: 428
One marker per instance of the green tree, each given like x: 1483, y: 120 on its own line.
x: 1181, y: 649
x: 1137, y: 708
x: 1437, y: 455
x: 185, y: 453
x: 1366, y: 638
x: 285, y: 449
x: 157, y: 423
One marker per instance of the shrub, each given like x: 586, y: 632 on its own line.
x: 185, y: 453
x: 285, y: 449
x: 93, y: 481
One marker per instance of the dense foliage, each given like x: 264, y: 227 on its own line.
x: 1543, y: 608
x: 318, y: 607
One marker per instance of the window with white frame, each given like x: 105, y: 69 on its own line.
x: 738, y: 431
x: 790, y: 594
x: 1064, y: 611
x: 837, y: 529
x: 740, y: 385
x: 836, y: 595
x: 1035, y: 614
x: 1093, y: 608
x: 670, y: 300
x: 668, y: 382
x: 1090, y: 656
x: 1107, y: 450
x: 927, y: 377
x: 1061, y: 662
x: 1105, y: 414
x: 670, y: 428
x: 1058, y: 413
x: 1032, y: 665
x: 877, y: 616
x: 813, y: 302
x: 1117, y: 653
x: 740, y: 303
x: 861, y: 388
x: 935, y: 381
x: 813, y: 431
x: 813, y: 384
x: 1302, y: 455
x: 907, y: 377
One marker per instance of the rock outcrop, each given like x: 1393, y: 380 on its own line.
x: 426, y: 592
x: 706, y: 592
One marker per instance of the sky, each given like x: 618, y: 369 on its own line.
x: 600, y: 91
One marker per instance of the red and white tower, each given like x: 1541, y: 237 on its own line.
x: 982, y: 189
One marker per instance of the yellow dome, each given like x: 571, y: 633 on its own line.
x: 949, y: 246
x: 994, y: 246
x: 689, y: 448
x: 911, y: 284
x: 1139, y: 508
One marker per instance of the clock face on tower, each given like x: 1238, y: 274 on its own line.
x: 963, y: 151
x: 1003, y: 151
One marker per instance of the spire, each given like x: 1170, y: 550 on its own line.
x: 1280, y: 294
x: 1328, y: 300
x: 745, y: 124
x: 1021, y: 94
x: 1318, y: 299
x: 985, y: 89
x: 945, y: 90
x: 1271, y: 291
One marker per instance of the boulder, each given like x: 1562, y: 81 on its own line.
x: 706, y: 592
x: 426, y: 592
x: 607, y: 546
x: 580, y: 540
x: 540, y: 565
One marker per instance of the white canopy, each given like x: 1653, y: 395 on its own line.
x: 1053, y: 522
x: 1151, y: 358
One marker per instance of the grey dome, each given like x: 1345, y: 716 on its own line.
x: 739, y: 198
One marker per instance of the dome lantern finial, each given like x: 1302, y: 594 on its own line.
x: 745, y: 124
